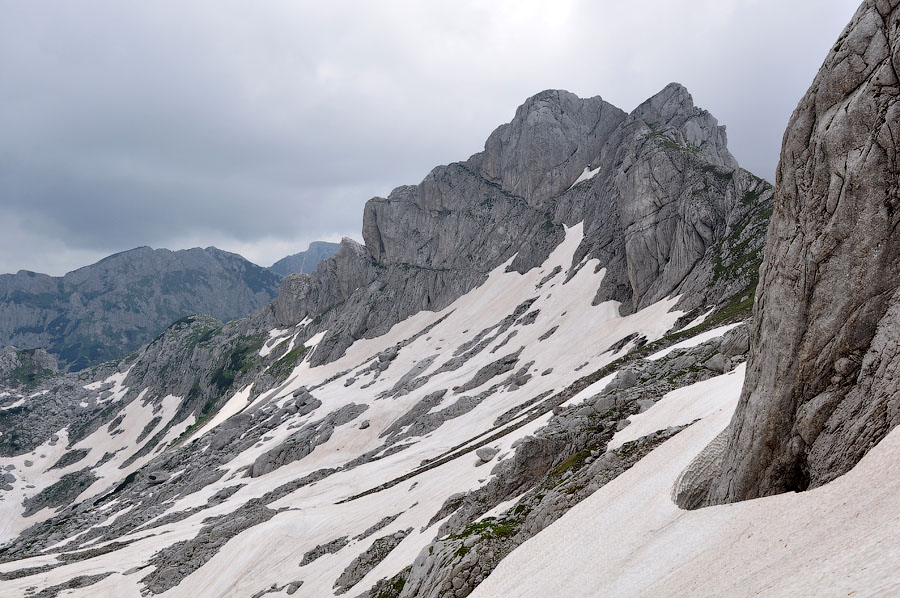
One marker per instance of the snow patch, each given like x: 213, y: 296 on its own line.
x: 585, y: 175
x: 694, y: 340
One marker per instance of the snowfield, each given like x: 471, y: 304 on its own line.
x: 629, y: 538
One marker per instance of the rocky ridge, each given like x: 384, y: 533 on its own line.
x: 666, y: 211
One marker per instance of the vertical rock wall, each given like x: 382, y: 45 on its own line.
x: 823, y: 380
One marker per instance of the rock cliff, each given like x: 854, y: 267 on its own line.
x: 821, y: 387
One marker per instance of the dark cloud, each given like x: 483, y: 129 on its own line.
x: 259, y: 127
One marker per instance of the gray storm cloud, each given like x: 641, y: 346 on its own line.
x: 259, y: 127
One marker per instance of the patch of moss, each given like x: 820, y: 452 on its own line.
x: 241, y: 359
x: 574, y: 461
x: 489, y: 527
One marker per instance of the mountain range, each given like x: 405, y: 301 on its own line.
x: 305, y: 262
x: 596, y: 358
x: 108, y: 309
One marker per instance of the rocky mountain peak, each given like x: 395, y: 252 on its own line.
x: 552, y: 137
x: 672, y: 113
x: 659, y: 212
x: 660, y: 109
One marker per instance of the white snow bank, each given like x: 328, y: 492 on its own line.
x: 698, y: 320
x: 14, y: 404
x: 682, y: 406
x: 276, y: 337
x: 629, y: 539
x: 586, y: 174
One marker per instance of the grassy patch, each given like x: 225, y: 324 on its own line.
x: 240, y: 360
x: 572, y: 462
x: 491, y: 527
x: 286, y: 364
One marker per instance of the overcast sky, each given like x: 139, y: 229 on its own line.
x: 258, y: 127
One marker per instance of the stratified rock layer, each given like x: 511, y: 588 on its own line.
x: 822, y: 382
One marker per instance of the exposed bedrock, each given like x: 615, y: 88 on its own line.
x: 822, y: 381
x: 666, y: 210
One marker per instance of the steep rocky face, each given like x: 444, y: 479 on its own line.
x: 305, y: 262
x: 670, y: 211
x: 105, y: 310
x: 666, y: 209
x: 821, y: 387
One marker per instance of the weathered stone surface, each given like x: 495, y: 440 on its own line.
x: 157, y: 477
x: 323, y: 549
x: 368, y: 560
x: 486, y: 453
x: 821, y: 386
x: 547, y: 145
x: 736, y: 341
x: 668, y: 205
x: 717, y: 363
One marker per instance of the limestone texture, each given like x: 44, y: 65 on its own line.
x: 667, y: 211
x: 821, y: 387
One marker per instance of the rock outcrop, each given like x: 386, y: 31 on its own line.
x: 822, y: 380
x: 25, y: 368
x: 105, y: 310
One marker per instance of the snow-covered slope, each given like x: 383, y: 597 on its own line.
x: 506, y: 392
x: 483, y: 356
x: 629, y: 538
x: 507, y: 384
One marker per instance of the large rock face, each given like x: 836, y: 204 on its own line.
x: 667, y: 211
x: 545, y: 147
x: 822, y: 382
x: 669, y: 202
x: 105, y: 310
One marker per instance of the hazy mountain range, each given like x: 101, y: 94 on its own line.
x: 108, y: 309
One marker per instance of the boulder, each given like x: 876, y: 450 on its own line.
x: 486, y: 453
